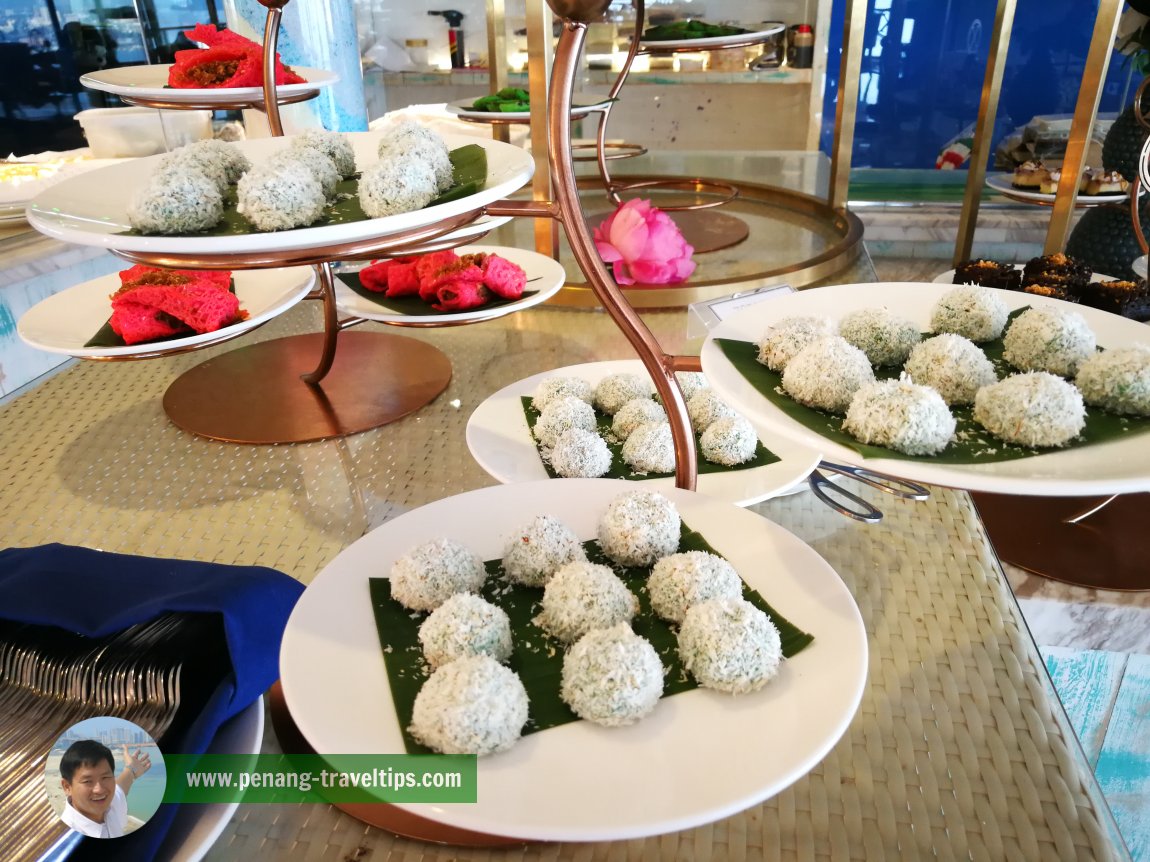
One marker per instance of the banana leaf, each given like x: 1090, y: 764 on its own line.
x: 536, y: 657
x: 621, y: 470
x: 973, y: 444
x: 470, y: 173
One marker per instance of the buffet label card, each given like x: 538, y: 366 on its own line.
x: 702, y: 316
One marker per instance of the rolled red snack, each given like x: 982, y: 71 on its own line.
x: 375, y: 277
x: 401, y: 279
x: 460, y: 296
x: 504, y: 278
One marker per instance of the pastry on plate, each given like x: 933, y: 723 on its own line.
x: 1029, y: 176
x: 1102, y: 182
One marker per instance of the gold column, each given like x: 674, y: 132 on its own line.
x: 984, y: 128
x: 497, y: 59
x: 540, y: 52
x: 846, y: 108
x: 1082, y: 127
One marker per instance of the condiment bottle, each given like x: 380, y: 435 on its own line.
x: 802, y: 48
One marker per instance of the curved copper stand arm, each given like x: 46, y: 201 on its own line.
x: 601, y: 157
x: 659, y: 365
x: 271, y: 39
x: 331, y: 327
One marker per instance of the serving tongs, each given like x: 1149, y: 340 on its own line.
x: 860, y: 509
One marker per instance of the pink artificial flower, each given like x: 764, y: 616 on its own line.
x: 643, y: 245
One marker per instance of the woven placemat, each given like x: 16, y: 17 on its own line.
x: 957, y: 752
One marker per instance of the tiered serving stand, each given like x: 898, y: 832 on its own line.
x: 278, y: 391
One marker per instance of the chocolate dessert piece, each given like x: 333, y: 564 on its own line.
x: 1127, y: 298
x: 988, y: 273
x: 1071, y: 273
x: 1051, y: 290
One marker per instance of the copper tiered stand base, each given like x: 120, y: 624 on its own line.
x: 375, y: 378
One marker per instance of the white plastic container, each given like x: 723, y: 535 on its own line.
x: 114, y: 133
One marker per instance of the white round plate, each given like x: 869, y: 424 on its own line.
x: 17, y: 192
x: 196, y: 827
x: 150, y: 82
x: 661, y: 46
x: 462, y: 108
x: 65, y: 321
x: 948, y: 276
x: 500, y: 441
x: 1114, y: 467
x: 1003, y: 184
x: 544, y: 276
x: 92, y: 209
x: 1139, y: 266
x: 580, y: 781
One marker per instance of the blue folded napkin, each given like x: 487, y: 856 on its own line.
x: 95, y: 593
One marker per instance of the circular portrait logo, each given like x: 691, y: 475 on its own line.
x: 105, y: 777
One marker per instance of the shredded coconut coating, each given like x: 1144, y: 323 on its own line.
x: 406, y: 128
x: 615, y: 390
x: 691, y: 382
x: 1034, y: 409
x: 551, y: 388
x: 539, y: 550
x: 900, y: 415
x: 280, y: 197
x: 211, y: 164
x: 683, y: 580
x: 706, y: 408
x: 1117, y: 380
x: 651, y: 448
x: 952, y: 365
x: 470, y: 706
x: 639, y: 527
x: 612, y: 677
x: 827, y: 374
x: 419, y: 149
x: 786, y: 338
x: 729, y: 441
x: 580, y: 454
x: 317, y: 163
x: 429, y: 574
x: 465, y: 625
x: 182, y: 201
x: 636, y: 412
x: 234, y: 162
x: 730, y: 645
x: 332, y: 144
x: 885, y: 338
x: 582, y: 596
x: 974, y: 312
x: 392, y: 187
x: 1048, y: 339
x: 561, y: 415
